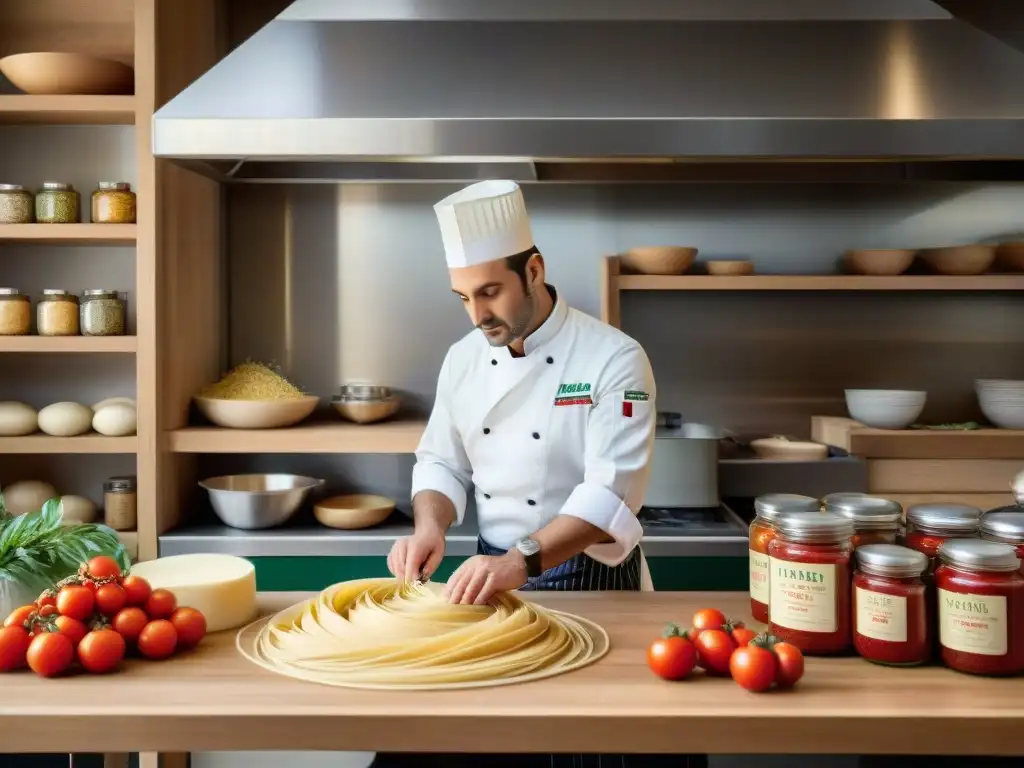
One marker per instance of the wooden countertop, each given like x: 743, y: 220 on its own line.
x: 213, y: 699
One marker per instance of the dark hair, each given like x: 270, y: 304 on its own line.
x: 517, y: 263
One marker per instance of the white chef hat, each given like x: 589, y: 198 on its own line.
x: 484, y: 222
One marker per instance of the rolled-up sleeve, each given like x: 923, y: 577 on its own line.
x: 619, y: 443
x: 441, y: 461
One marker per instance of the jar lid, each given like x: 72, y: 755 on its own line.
x: 355, y: 391
x: 891, y: 560
x: 13, y: 293
x: 868, y: 512
x: 979, y: 554
x: 944, y: 518
x: 100, y: 292
x: 12, y: 188
x: 57, y: 185
x: 823, y: 528
x: 125, y: 483
x: 1005, y: 526
x: 771, y: 505
x: 833, y: 498
x: 121, y: 185
x: 58, y: 293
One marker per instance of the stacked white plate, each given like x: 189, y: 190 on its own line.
x: 885, y: 408
x: 1002, y: 401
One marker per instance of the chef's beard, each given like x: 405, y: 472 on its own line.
x: 510, y: 331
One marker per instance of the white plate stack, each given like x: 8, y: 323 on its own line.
x: 885, y: 408
x: 1002, y: 401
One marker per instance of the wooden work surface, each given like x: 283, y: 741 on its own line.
x: 213, y: 699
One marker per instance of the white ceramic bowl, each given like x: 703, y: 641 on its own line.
x: 256, y: 414
x: 885, y: 408
x: 1002, y: 401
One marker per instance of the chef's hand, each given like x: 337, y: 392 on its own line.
x: 477, y: 580
x: 418, y: 555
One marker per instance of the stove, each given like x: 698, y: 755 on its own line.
x: 700, y: 531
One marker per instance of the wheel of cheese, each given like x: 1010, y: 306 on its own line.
x: 222, y: 587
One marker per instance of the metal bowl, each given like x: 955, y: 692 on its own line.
x: 252, y: 502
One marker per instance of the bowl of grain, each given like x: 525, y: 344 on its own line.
x: 254, y: 396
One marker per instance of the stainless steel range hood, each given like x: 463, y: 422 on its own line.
x: 567, y: 90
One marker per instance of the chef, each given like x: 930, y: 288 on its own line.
x: 544, y: 413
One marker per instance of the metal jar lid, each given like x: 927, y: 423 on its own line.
x: 891, y: 560
x: 1007, y: 527
x: 59, y: 294
x: 57, y: 186
x: 977, y: 554
x: 12, y: 188
x: 363, y: 392
x: 120, y: 484
x: 869, y: 513
x: 100, y: 292
x: 122, y: 186
x: 823, y: 528
x: 944, y: 518
x: 771, y: 505
x: 12, y: 293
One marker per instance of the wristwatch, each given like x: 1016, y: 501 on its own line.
x: 530, y: 550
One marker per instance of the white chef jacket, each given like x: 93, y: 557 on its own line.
x: 567, y: 429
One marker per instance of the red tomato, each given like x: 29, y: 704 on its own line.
x: 75, y: 601
x: 90, y: 585
x: 73, y: 629
x: 46, y: 599
x: 136, y: 590
x: 158, y: 639
x: 19, y: 616
x: 672, y: 657
x: 101, y: 651
x: 708, y: 618
x: 161, y: 604
x: 190, y: 625
x: 103, y: 567
x: 742, y: 636
x: 753, y: 667
x: 14, y: 643
x: 791, y: 664
x: 47, y: 610
x: 714, y: 648
x: 129, y: 623
x: 50, y: 654
x: 110, y: 598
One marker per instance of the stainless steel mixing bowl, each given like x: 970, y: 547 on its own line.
x: 252, y: 502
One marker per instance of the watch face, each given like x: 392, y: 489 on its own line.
x: 528, y: 547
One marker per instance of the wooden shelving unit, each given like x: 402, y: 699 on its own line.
x: 387, y: 437
x: 71, y: 445
x: 67, y: 110
x: 69, y: 234
x: 69, y: 344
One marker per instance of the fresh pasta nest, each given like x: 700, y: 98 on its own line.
x: 383, y: 634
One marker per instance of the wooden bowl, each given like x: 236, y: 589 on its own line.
x: 67, y: 73
x: 783, y: 449
x: 1010, y: 256
x: 730, y: 267
x: 256, y: 414
x: 658, y: 259
x: 960, y: 259
x: 358, y: 510
x: 879, y: 261
x: 367, y: 411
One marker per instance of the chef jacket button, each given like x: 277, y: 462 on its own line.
x: 487, y: 495
x: 551, y: 360
x: 531, y: 502
x: 536, y: 435
x: 494, y: 362
x: 487, y: 430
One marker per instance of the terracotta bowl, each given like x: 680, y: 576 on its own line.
x: 659, y: 259
x: 734, y: 267
x: 960, y: 259
x: 67, y: 73
x: 879, y: 261
x: 256, y: 414
x: 1010, y: 256
x: 359, y: 510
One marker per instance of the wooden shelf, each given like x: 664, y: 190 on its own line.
x: 69, y: 234
x: 819, y: 283
x: 21, y: 109
x: 63, y: 344
x: 917, y: 443
x: 94, y: 443
x: 386, y: 437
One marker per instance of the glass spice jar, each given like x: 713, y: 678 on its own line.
x: 890, y: 606
x: 15, y: 204
x: 980, y: 607
x: 120, y: 503
x: 1006, y: 526
x: 810, y: 582
x: 929, y: 525
x: 15, y: 313
x: 766, y: 509
x: 875, y: 520
x: 102, y: 313
x: 113, y: 202
x: 57, y: 203
x: 57, y: 313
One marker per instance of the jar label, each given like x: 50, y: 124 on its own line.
x: 759, y: 565
x: 803, y: 596
x: 973, y: 623
x: 881, y: 616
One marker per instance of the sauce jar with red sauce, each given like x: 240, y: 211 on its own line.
x: 809, y: 561
x: 762, y: 531
x: 929, y: 525
x: 890, y: 608
x: 981, y: 607
x: 875, y: 520
x: 1005, y: 526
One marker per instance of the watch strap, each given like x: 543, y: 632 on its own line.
x: 530, y: 551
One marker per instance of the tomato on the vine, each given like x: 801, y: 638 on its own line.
x: 129, y: 623
x: 71, y: 628
x: 46, y: 599
x: 158, y: 639
x: 76, y: 601
x: 14, y: 643
x: 791, y: 664
x: 47, y: 610
x: 161, y: 604
x: 714, y: 647
x: 101, y: 651
x: 672, y: 656
x: 50, y: 654
x: 742, y: 636
x: 708, y: 618
x: 136, y: 590
x: 110, y: 598
x: 753, y: 667
x: 19, y: 616
x: 103, y: 567
x: 190, y: 625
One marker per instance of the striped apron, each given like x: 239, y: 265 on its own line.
x: 581, y: 573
